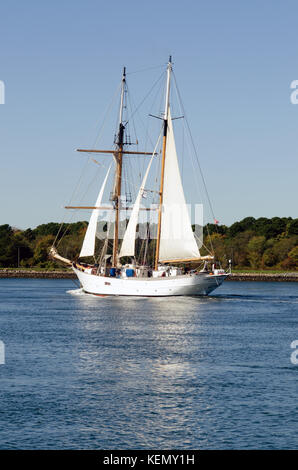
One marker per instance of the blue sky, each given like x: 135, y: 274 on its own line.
x: 61, y: 62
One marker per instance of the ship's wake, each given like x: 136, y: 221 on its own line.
x: 76, y: 292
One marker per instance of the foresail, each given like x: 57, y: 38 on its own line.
x: 177, y: 240
x: 89, y: 240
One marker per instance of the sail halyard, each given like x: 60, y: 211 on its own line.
x: 88, y: 246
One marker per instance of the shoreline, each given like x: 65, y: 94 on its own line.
x: 31, y: 274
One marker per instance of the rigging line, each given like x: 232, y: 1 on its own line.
x: 187, y: 125
x: 75, y: 212
x: 195, y: 151
x: 72, y: 196
x: 67, y: 228
x: 183, y: 135
x: 189, y: 153
x: 146, y: 96
x: 136, y: 186
x: 146, y: 246
x: 155, y: 148
x: 129, y: 99
x: 145, y: 70
x: 203, y: 244
x: 147, y: 135
x: 208, y: 233
x: 141, y: 244
x: 102, y: 253
x: 95, y: 177
x: 154, y: 101
x: 136, y: 111
x: 106, y: 114
x: 199, y: 190
x: 106, y: 242
x: 76, y: 188
x: 79, y: 182
x: 60, y: 227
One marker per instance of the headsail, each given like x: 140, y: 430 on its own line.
x: 177, y: 240
x: 89, y: 240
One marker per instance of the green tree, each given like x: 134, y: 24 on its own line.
x: 237, y: 248
x: 6, y: 246
x: 255, y: 249
x: 293, y: 227
x: 282, y: 247
x: 244, y: 225
x: 269, y: 258
x: 293, y: 255
x: 40, y: 257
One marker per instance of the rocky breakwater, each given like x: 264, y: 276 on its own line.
x: 279, y: 277
x: 26, y: 273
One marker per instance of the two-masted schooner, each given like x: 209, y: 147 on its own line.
x: 120, y: 272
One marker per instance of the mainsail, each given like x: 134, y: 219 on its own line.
x: 89, y: 240
x: 177, y: 239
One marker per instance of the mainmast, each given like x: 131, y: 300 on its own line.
x: 118, y: 157
x: 164, y: 143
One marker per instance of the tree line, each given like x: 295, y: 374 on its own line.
x: 251, y: 243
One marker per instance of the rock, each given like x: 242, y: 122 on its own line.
x: 279, y: 277
x: 24, y: 273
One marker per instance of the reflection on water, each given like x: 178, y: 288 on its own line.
x: 90, y: 372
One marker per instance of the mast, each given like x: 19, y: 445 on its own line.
x: 164, y: 143
x: 118, y: 157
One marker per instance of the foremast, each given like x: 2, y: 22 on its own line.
x: 118, y: 177
x: 164, y: 144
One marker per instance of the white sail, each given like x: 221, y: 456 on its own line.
x: 128, y: 243
x: 177, y: 240
x: 89, y: 240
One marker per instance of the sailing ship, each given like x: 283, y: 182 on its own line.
x: 170, y: 271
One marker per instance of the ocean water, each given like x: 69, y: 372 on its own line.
x: 84, y: 372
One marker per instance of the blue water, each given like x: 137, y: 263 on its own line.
x: 84, y: 372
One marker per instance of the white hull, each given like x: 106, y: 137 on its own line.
x: 194, y: 284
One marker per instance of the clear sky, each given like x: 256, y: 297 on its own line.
x: 61, y: 62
